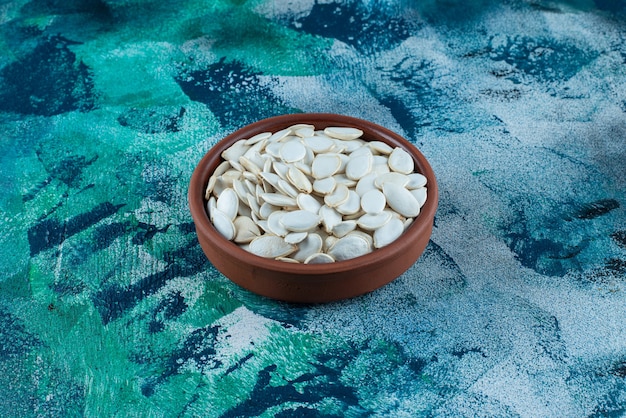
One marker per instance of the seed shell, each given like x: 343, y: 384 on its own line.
x: 245, y: 230
x: 343, y: 132
x: 228, y: 203
x: 271, y: 246
x: 373, y: 201
x: 292, y: 151
x: 300, y: 220
x: 223, y: 223
x: 348, y: 247
x: 372, y: 222
x: 326, y: 165
x: 312, y: 244
x: 401, y: 161
x: 388, y: 233
x: 319, y: 258
x: 401, y: 200
x: 359, y: 165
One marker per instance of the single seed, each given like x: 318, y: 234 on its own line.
x: 343, y: 133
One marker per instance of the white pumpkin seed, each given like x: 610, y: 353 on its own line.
x: 223, y: 223
x: 391, y: 177
x: 319, y: 143
x: 277, y: 136
x: 228, y: 203
x: 241, y: 190
x: 359, y: 165
x: 251, y: 177
x: 345, y: 133
x: 325, y: 185
x: 401, y: 200
x: 373, y: 201
x: 211, y: 204
x: 210, y: 186
x: 420, y: 195
x: 254, y: 156
x: 329, y: 218
x: 278, y: 199
x: 343, y: 179
x: 299, y: 180
x: 273, y: 149
x: 235, y: 151
x: 401, y: 161
x: 281, y: 169
x: 287, y: 189
x: 307, y: 202
x: 343, y: 228
x: 340, y: 146
x: 338, y: 196
x: 258, y: 138
x: 304, y: 132
x: 329, y: 241
x: 263, y: 224
x: 253, y: 203
x: 380, y: 169
x: 219, y: 187
x: 301, y: 126
x: 326, y: 165
x: 271, y: 246
x: 271, y: 178
x: 266, y: 209
x: 229, y: 176
x: 319, y: 258
x: 380, y: 147
x: 223, y: 167
x: 274, y: 223
x: 245, y: 230
x: 351, y: 206
x: 353, y: 216
x: 352, y: 145
x: 365, y: 184
x: 258, y: 191
x: 300, y: 220
x: 244, y: 210
x: 304, y: 166
x: 416, y: 180
x: 388, y: 233
x: 295, y: 237
x: 344, y: 162
x: 287, y: 260
x: 372, y: 222
x: 367, y: 237
x: 348, y: 247
x: 249, y: 165
x: 292, y: 151
x: 312, y: 244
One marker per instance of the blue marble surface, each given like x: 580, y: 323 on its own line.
x: 108, y: 306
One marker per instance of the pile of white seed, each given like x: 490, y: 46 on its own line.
x: 314, y: 196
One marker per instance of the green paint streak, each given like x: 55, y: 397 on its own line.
x: 137, y: 74
x: 267, y: 46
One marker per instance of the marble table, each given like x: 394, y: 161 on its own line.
x: 108, y: 306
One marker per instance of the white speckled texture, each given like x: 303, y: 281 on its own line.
x: 108, y: 306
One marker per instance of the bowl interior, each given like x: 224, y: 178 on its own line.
x: 371, y: 131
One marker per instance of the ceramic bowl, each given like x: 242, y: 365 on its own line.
x: 311, y: 283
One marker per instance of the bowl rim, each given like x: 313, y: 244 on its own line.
x: 371, y: 131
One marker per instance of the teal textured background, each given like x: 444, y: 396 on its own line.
x: 108, y: 306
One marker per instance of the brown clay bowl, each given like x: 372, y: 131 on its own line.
x: 311, y: 283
